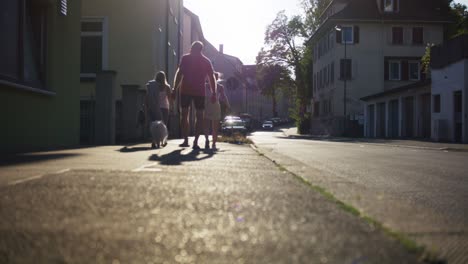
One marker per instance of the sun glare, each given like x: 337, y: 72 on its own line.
x: 239, y: 25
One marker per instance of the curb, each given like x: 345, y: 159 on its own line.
x: 445, y: 149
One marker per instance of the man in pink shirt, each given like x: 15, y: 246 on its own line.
x: 193, y: 70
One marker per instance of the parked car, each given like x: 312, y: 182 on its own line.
x: 230, y: 117
x: 247, y: 118
x: 231, y: 126
x: 268, y: 124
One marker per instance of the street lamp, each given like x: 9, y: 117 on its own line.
x: 345, y: 75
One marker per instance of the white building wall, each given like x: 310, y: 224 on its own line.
x: 445, y: 82
x: 375, y: 43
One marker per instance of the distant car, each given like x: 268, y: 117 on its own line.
x: 276, y: 121
x: 232, y: 126
x: 268, y: 124
x: 230, y: 117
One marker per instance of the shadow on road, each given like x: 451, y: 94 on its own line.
x: 177, y: 158
x: 133, y: 149
x: 33, y: 157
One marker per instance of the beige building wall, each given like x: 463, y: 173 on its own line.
x: 137, y: 41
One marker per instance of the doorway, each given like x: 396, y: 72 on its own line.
x: 425, y: 121
x: 370, y: 120
x: 393, y: 116
x: 457, y: 110
x: 408, y: 117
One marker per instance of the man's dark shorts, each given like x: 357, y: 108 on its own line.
x: 186, y: 100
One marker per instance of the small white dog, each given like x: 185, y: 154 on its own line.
x: 159, y: 133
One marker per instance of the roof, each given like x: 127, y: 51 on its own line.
x: 195, y: 20
x: 414, y: 10
x: 449, y: 52
x: 405, y: 88
x: 423, y: 11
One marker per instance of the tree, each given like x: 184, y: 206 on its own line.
x: 285, y: 40
x: 273, y: 79
x: 283, y: 47
x: 459, y: 14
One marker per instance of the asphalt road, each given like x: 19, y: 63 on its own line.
x: 421, y: 193
x: 135, y: 205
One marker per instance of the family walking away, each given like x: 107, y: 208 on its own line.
x: 191, y: 74
x: 196, y: 82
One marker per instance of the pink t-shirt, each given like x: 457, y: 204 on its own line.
x: 195, y: 69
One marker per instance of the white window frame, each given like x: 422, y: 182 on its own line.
x: 390, y: 77
x: 105, y: 42
x: 392, y: 4
x: 343, y: 40
x: 409, y: 70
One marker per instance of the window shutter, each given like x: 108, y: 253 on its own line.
x: 382, y: 4
x: 338, y: 36
x: 356, y: 34
x: 395, y: 5
x: 404, y: 70
x: 386, y: 69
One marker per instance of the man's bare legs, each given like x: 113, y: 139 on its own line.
x: 185, y: 126
x: 207, y: 133
x: 198, y: 126
x: 215, y: 133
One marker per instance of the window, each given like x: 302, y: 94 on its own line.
x: 345, y: 69
x: 436, y: 98
x: 418, y: 36
x: 325, y: 72
x: 331, y: 39
x: 347, y: 35
x: 92, y: 47
x: 414, y: 70
x: 390, y: 5
x: 397, y: 35
x: 314, y: 83
x: 317, y: 109
x: 332, y: 72
x: 395, y: 70
x: 24, y: 44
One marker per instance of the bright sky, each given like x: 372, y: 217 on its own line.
x: 240, y: 24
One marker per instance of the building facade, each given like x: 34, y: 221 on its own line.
x: 39, y: 74
x: 123, y: 44
x: 259, y: 106
x: 365, y: 47
x: 449, y: 71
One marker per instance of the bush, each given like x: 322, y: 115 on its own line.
x: 303, y: 125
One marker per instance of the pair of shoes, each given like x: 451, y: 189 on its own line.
x: 153, y: 146
x: 185, y: 144
x: 196, y: 147
x: 214, y: 147
x: 207, y: 145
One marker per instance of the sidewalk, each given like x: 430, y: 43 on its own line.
x: 421, y: 144
x: 177, y: 205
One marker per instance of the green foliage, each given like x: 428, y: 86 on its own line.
x: 459, y: 15
x: 274, y: 79
x: 285, y: 40
x: 426, y: 60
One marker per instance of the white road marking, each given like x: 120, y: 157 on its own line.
x: 62, y: 171
x: 36, y: 177
x: 147, y: 168
x: 26, y: 180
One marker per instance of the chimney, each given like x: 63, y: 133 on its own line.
x: 221, y: 48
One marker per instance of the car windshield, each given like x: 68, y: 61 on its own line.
x: 268, y: 122
x: 234, y: 123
